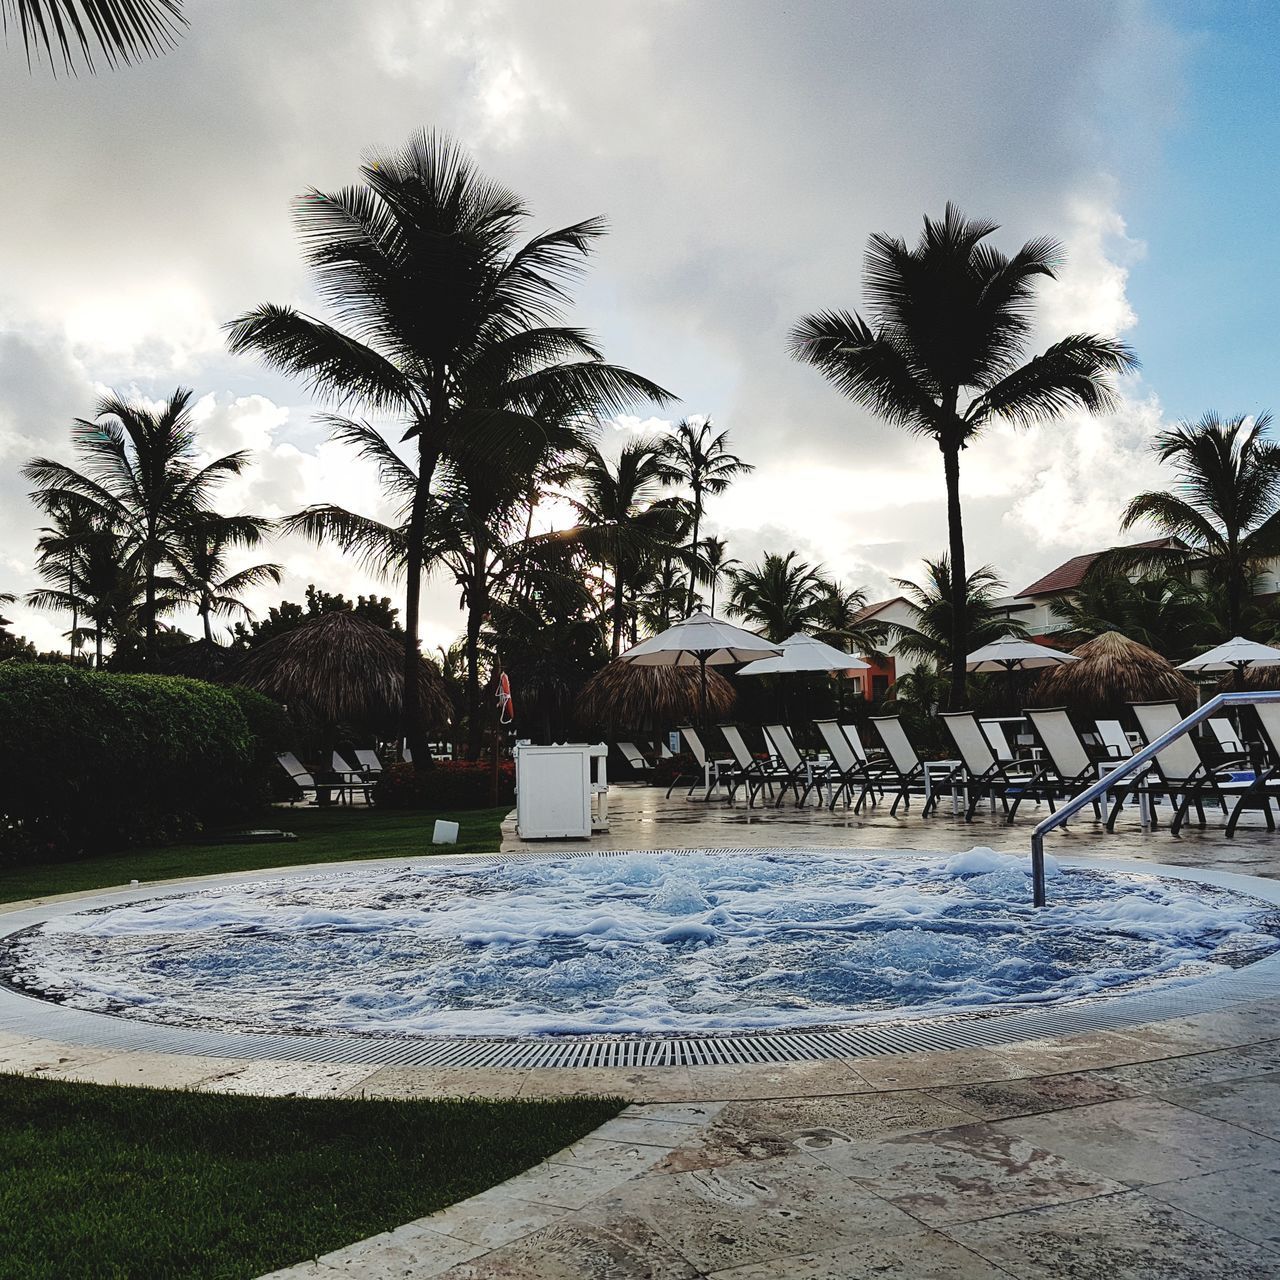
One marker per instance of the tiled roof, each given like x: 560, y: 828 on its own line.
x: 1069, y: 575
x: 870, y: 610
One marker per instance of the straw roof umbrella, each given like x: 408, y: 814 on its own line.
x: 625, y: 695
x: 1112, y: 671
x: 342, y: 669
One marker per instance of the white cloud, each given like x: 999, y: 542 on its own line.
x: 743, y: 151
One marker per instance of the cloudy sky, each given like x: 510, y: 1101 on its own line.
x: 742, y: 151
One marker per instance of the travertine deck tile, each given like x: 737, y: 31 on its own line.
x: 1242, y: 1200
x: 290, y: 1079
x: 754, y: 1210
x: 1252, y: 1103
x: 1141, y: 1140
x: 997, y: 1099
x: 1123, y: 1237
x: 437, y: 1082
x: 923, y: 1255
x: 954, y: 1175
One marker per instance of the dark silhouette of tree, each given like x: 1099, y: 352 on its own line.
x: 941, y: 354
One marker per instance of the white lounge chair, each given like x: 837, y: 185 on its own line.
x: 848, y: 768
x: 984, y: 774
x: 1266, y: 784
x: 904, y: 767
x: 1179, y: 772
x: 368, y: 760
x: 755, y: 775
x: 790, y: 771
x: 1114, y: 739
x: 302, y: 779
x: 710, y: 777
x: 633, y: 756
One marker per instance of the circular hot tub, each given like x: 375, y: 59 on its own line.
x: 540, y: 958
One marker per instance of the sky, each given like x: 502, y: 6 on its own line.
x: 742, y: 152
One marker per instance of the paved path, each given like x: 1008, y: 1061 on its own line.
x: 1148, y: 1154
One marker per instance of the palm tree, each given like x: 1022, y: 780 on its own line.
x: 713, y: 563
x: 106, y: 589
x: 202, y: 571
x: 778, y: 596
x: 624, y: 520
x: 941, y: 354
x: 838, y: 620
x: 701, y: 456
x: 1222, y: 510
x: 934, y: 600
x: 1166, y: 613
x: 124, y: 31
x: 60, y: 550
x: 440, y: 321
x: 140, y: 478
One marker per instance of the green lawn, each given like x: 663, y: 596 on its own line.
x: 324, y: 835
x: 99, y: 1181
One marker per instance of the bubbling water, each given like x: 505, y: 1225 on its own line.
x: 634, y: 944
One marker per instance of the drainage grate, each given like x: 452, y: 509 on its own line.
x: 26, y: 1015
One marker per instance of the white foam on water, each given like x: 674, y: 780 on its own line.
x: 642, y: 943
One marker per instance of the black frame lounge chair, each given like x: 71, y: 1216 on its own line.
x: 982, y: 773
x: 634, y: 757
x: 790, y: 769
x: 903, y: 767
x: 1266, y: 784
x: 1179, y: 772
x: 848, y: 768
x: 710, y: 777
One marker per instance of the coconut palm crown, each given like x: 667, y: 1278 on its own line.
x: 441, y: 320
x: 1223, y: 508
x: 941, y: 353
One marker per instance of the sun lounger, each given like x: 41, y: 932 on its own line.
x: 710, y: 775
x: 633, y: 756
x: 848, y: 768
x: 903, y: 768
x: 983, y: 774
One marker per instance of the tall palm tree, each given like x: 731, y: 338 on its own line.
x: 60, y: 550
x: 1223, y: 508
x: 139, y: 478
x: 838, y: 620
x: 713, y: 563
x: 442, y: 321
x: 941, y: 354
x: 778, y: 596
x: 935, y: 601
x: 202, y: 570
x: 701, y: 456
x: 123, y: 31
x: 624, y: 519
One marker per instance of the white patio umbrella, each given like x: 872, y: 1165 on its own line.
x: 701, y: 640
x: 803, y: 652
x: 1011, y: 653
x: 1235, y: 655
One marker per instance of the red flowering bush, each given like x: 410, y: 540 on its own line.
x: 447, y: 784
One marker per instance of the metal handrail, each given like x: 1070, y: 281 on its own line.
x: 1137, y: 761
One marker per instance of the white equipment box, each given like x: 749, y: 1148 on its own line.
x: 555, y: 791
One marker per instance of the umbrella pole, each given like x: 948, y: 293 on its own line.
x: 702, y: 690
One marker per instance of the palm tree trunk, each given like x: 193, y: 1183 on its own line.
x: 204, y: 617
x: 410, y: 720
x: 477, y: 607
x: 151, y: 613
x: 693, y: 551
x: 619, y: 600
x: 959, y: 575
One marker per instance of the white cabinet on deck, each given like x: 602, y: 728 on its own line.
x: 555, y: 791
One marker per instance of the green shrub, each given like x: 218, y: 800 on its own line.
x: 92, y: 761
x: 447, y: 784
x: 273, y: 731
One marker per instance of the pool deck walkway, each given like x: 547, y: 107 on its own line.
x: 1147, y: 1153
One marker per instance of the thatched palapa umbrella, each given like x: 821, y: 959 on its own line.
x: 342, y: 670
x: 624, y: 695
x: 1112, y: 671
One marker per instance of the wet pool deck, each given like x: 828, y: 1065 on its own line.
x: 1149, y: 1153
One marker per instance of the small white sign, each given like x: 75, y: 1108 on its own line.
x: 445, y: 832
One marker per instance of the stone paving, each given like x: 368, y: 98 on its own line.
x: 1150, y: 1153
x: 642, y: 817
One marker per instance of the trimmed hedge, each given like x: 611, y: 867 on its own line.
x: 447, y: 784
x: 93, y: 761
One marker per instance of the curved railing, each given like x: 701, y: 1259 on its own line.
x: 1139, y: 760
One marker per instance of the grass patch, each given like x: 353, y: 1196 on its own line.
x: 100, y: 1181
x: 324, y: 835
